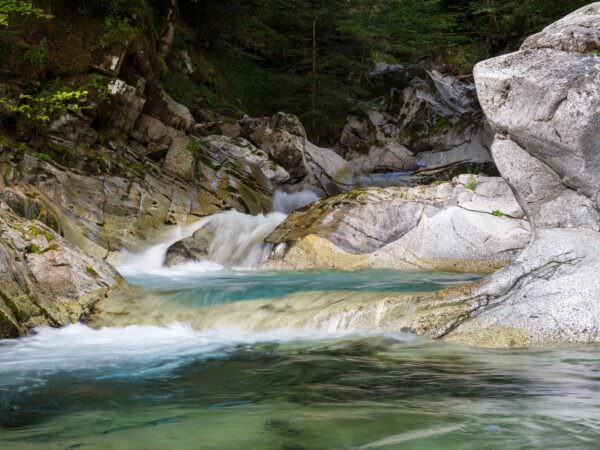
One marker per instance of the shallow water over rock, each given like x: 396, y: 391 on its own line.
x: 168, y: 385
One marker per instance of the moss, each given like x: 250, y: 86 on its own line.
x: 90, y: 271
x: 471, y: 183
x: 440, y: 125
x: 8, y: 329
x: 498, y: 213
x: 34, y: 249
x: 35, y: 231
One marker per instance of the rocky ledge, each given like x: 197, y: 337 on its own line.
x: 472, y: 224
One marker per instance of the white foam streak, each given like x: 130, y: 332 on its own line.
x: 154, y: 256
x: 238, y: 242
x: 130, y: 351
x: 239, y: 238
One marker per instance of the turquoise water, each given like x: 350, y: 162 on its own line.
x: 224, y: 286
x: 173, y: 387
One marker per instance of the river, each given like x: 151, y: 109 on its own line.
x: 197, y: 359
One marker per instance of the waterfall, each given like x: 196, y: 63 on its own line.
x: 287, y: 203
x: 154, y: 256
x: 238, y: 239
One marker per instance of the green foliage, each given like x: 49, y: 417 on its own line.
x: 35, y: 231
x: 19, y: 8
x: 498, y: 213
x: 34, y: 249
x: 46, y: 105
x: 195, y: 146
x: 100, y: 86
x: 117, y: 30
x: 472, y: 183
x: 35, y: 56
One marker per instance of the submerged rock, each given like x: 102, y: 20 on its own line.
x: 473, y: 224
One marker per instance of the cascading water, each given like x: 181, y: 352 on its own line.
x: 287, y: 203
x: 237, y: 239
x: 225, y: 357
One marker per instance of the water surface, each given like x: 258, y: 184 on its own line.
x: 173, y: 387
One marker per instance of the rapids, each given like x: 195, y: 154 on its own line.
x: 219, y: 355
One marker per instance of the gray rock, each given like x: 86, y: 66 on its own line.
x: 126, y: 105
x: 577, y: 32
x: 436, y: 117
x: 328, y: 172
x: 543, y: 103
x: 473, y: 224
x: 44, y: 281
x: 194, y: 248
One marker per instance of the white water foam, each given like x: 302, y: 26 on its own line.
x: 239, y: 238
x: 127, y: 352
x: 238, y: 242
x: 154, y: 256
x: 287, y: 203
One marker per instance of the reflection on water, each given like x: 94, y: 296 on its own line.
x: 172, y: 387
x: 186, y: 286
x: 348, y: 393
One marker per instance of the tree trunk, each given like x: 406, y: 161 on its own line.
x: 314, y: 75
x: 168, y: 35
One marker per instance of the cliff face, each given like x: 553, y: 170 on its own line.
x: 543, y: 105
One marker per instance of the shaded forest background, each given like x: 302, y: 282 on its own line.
x: 308, y: 57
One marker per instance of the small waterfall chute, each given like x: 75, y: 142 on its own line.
x: 286, y: 203
x: 237, y: 240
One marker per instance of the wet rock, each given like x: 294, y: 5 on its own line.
x: 192, y: 249
x: 473, y: 224
x: 44, y: 281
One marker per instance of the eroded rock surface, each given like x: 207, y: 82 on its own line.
x: 472, y: 224
x: 44, y: 280
x: 544, y: 106
x: 435, y: 118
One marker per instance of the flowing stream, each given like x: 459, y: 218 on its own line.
x: 213, y: 355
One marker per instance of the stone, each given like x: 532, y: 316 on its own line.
x: 328, y: 172
x: 283, y: 148
x: 281, y: 136
x: 44, y: 281
x: 436, y: 117
x: 473, y: 224
x: 577, y: 32
x: 73, y: 128
x: 392, y: 157
x: 542, y: 103
x: 126, y: 105
x: 239, y: 149
x: 192, y: 249
x: 181, y: 62
x: 180, y: 159
x: 163, y: 107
